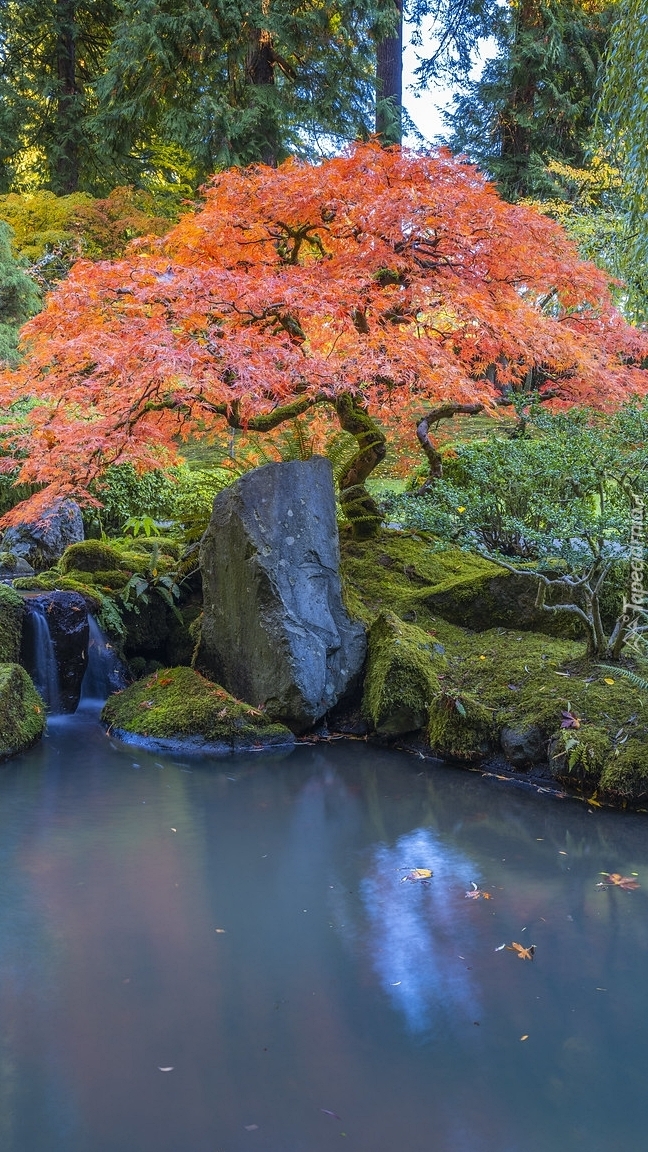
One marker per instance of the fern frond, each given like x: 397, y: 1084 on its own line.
x: 635, y: 679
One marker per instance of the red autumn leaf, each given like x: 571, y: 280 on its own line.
x: 380, y: 279
x: 619, y: 881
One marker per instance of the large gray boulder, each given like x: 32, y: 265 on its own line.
x: 275, y: 632
x: 43, y: 541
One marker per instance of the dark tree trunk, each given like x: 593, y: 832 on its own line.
x: 65, y: 158
x: 389, y: 84
x: 259, y: 74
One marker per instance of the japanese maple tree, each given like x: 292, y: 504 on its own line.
x: 380, y: 284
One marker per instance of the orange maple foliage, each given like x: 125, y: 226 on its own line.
x: 382, y: 280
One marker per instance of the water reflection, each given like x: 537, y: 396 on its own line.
x: 415, y: 942
x: 335, y: 988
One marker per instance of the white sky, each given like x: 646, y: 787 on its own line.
x: 425, y: 109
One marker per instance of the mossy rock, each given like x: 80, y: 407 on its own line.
x: 89, y: 556
x: 409, y: 574
x: 110, y: 581
x: 624, y: 778
x: 22, y: 712
x: 578, y: 755
x: 179, y: 706
x: 460, y: 728
x: 12, y: 611
x: 54, y: 582
x: 401, y: 680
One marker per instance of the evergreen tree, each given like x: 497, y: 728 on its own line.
x: 536, y: 98
x: 51, y: 53
x: 229, y: 83
x: 624, y: 111
x: 19, y: 298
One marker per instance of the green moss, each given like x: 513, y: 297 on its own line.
x: 579, y: 755
x: 401, y: 681
x: 22, y: 712
x: 148, y: 544
x: 460, y: 727
x: 110, y: 581
x: 178, y: 703
x: 53, y: 582
x: 497, y: 678
x: 12, y: 611
x: 399, y: 571
x: 89, y: 556
x: 625, y: 775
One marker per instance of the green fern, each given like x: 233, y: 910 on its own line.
x: 635, y: 679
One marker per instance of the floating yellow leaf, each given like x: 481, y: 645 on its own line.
x: 418, y: 874
x: 522, y: 952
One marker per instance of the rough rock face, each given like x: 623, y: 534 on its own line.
x: 42, y: 542
x: 67, y: 616
x: 275, y: 631
x: 524, y: 747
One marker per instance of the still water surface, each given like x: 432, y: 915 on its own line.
x: 245, y: 923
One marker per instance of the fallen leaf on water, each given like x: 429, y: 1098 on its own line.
x: 166, y: 1069
x: 500, y: 948
x: 477, y: 893
x: 619, y: 881
x: 327, y: 1112
x: 525, y: 1037
x: 220, y: 930
x: 417, y: 874
x: 522, y: 952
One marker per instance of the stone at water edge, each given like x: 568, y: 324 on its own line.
x: 43, y: 541
x: 22, y: 712
x: 275, y: 631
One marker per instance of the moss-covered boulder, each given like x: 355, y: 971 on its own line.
x: 22, y: 712
x: 12, y: 613
x: 460, y: 727
x: 89, y: 556
x: 179, y: 709
x: 401, y: 677
x: 408, y: 573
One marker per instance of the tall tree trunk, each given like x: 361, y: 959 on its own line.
x: 65, y: 146
x: 260, y: 73
x: 389, y: 83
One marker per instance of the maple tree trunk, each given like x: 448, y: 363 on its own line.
x: 65, y: 166
x: 431, y: 452
x: 358, y: 506
x: 389, y: 84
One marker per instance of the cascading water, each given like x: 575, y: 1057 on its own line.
x: 41, y: 659
x: 104, y: 672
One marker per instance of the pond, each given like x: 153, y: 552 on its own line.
x: 231, y: 955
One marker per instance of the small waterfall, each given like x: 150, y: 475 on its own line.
x: 104, y: 672
x: 41, y: 661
